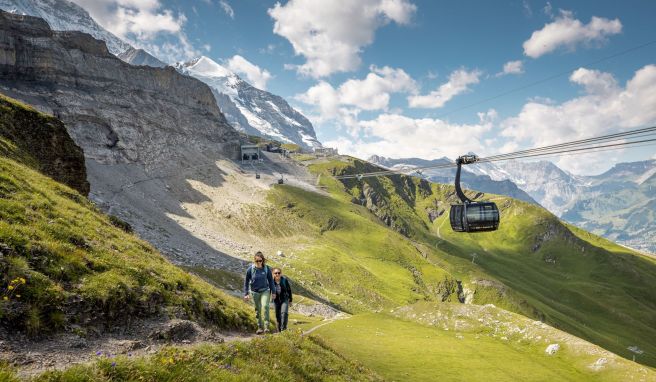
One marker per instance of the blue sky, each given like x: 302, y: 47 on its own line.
x: 394, y: 77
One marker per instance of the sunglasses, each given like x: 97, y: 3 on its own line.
x: 276, y: 273
x: 258, y: 261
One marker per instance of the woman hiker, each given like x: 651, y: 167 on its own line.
x: 283, y: 298
x: 260, y: 282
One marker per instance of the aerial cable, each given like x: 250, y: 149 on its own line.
x: 565, y: 148
x: 591, y: 151
x: 634, y: 133
x: 484, y: 160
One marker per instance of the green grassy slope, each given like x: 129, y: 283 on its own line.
x: 569, y: 278
x: 343, y: 255
x: 63, y: 262
x: 449, y: 342
x: 287, y: 357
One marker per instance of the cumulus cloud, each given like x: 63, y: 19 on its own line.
x: 257, y: 76
x: 459, y: 82
x: 139, y: 22
x: 143, y: 18
x: 605, y: 107
x: 373, y: 92
x: 512, y: 67
x: 227, y: 8
x: 345, y: 102
x: 399, y: 136
x: 565, y: 31
x: 331, y: 34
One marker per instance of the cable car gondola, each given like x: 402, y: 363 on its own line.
x: 472, y: 216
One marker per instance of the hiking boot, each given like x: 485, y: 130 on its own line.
x: 266, y: 331
x: 259, y: 331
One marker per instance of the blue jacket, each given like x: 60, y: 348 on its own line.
x: 258, y: 280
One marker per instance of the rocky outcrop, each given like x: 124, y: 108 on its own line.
x: 44, y: 139
x: 118, y: 113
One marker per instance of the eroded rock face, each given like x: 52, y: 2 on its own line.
x: 45, y: 139
x: 116, y: 112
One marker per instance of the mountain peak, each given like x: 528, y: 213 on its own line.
x: 205, y: 66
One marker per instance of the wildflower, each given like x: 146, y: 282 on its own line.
x: 22, y: 280
x: 5, y: 298
x: 99, y: 352
x: 113, y: 364
x: 17, y: 296
x: 10, y: 287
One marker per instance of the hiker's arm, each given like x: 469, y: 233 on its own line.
x: 247, y: 280
x: 272, y: 286
x: 289, y: 290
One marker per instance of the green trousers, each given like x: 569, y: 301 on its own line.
x: 261, y: 301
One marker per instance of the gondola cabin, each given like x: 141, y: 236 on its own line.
x: 474, y: 217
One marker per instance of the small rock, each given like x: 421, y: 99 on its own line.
x: 79, y: 343
x: 599, y: 364
x: 176, y: 331
x: 552, y: 349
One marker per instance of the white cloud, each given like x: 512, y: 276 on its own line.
x: 398, y: 136
x: 512, y: 67
x: 143, y: 18
x: 605, y: 107
x: 140, y: 22
x: 568, y: 32
x: 459, y: 82
x: 373, y: 92
x: 345, y: 102
x: 331, y: 34
x: 324, y: 96
x: 257, y: 76
x: 227, y: 8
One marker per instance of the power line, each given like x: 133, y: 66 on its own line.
x: 611, y: 137
x: 602, y: 143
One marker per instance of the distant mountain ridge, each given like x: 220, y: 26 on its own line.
x: 249, y: 109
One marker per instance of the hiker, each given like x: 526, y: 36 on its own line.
x: 283, y: 298
x: 260, y: 282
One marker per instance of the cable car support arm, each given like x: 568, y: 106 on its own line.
x: 465, y: 159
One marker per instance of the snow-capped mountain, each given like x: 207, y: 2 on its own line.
x: 65, y: 15
x: 553, y: 188
x: 251, y: 110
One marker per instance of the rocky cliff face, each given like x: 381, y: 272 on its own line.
x: 118, y: 113
x: 147, y: 133
x: 64, y: 15
x: 45, y: 139
x: 140, y: 57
